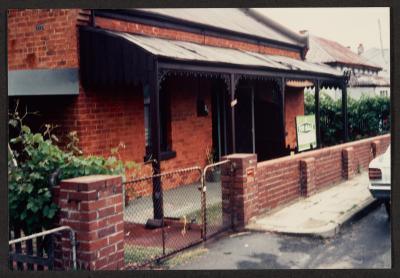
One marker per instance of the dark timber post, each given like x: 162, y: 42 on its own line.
x: 283, y: 87
x: 344, y: 112
x: 232, y: 87
x: 155, y: 142
x: 317, y: 113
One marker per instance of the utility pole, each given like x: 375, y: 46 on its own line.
x: 380, y: 38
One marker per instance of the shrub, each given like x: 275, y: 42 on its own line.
x: 367, y: 116
x: 34, y: 161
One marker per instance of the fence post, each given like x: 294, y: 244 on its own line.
x: 348, y: 161
x: 92, y: 206
x: 239, y: 189
x: 376, y: 147
x: 307, y: 168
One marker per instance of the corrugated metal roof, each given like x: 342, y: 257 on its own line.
x: 187, y: 51
x: 327, y: 51
x: 231, y: 19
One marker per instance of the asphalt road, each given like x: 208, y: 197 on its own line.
x: 362, y: 243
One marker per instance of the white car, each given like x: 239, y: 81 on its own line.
x: 379, y: 176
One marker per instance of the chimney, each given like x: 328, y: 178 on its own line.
x: 360, y: 49
x: 303, y: 32
x: 348, y: 47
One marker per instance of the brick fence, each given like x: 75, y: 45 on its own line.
x: 257, y: 188
x: 92, y: 207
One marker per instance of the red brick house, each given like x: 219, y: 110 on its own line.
x: 168, y: 83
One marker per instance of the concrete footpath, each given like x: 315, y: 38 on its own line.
x: 321, y: 214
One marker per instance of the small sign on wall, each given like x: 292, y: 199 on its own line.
x: 306, y: 133
x: 250, y: 173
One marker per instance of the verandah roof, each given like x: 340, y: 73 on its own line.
x: 127, y: 57
x: 188, y: 51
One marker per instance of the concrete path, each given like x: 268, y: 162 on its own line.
x: 178, y: 202
x: 321, y: 214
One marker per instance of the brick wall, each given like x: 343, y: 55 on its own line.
x: 47, y: 38
x: 103, y: 119
x: 279, y: 180
x: 294, y: 106
x: 283, y: 180
x: 55, y: 46
x: 92, y: 207
x: 191, y: 134
x: 166, y: 33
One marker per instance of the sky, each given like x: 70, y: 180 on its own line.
x: 348, y: 26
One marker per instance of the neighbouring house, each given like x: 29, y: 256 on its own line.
x: 365, y: 76
x: 168, y: 83
x: 380, y: 57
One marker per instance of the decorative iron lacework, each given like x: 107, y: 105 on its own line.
x: 163, y: 73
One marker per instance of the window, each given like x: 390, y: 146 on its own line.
x: 165, y: 124
x: 383, y: 93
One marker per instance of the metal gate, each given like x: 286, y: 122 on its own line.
x: 148, y: 239
x: 214, y: 221
x: 192, y: 212
x: 26, y: 254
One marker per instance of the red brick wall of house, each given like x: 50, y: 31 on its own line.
x: 173, y: 34
x: 53, y: 47
x: 294, y: 106
x: 191, y: 134
x: 105, y: 118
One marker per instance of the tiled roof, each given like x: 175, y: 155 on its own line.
x: 327, y: 51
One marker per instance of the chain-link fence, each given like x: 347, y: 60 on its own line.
x: 166, y: 220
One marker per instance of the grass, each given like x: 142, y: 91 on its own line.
x: 184, y: 257
x: 214, y: 214
x: 137, y: 255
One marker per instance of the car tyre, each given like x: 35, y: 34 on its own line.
x: 387, y: 206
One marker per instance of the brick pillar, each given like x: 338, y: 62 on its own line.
x: 376, y: 147
x: 307, y: 170
x: 348, y: 162
x: 239, y: 189
x: 92, y: 206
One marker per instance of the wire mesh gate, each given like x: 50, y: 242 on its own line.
x: 213, y: 222
x: 192, y: 212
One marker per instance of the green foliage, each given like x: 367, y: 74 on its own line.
x: 33, y: 159
x: 368, y: 116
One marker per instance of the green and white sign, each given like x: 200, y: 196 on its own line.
x: 306, y: 132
